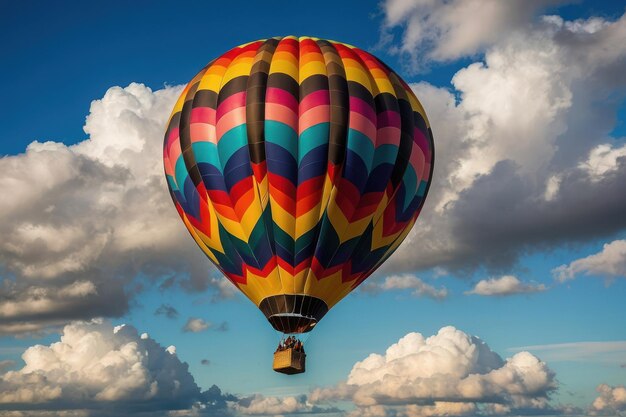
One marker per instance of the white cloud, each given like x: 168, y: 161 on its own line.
x: 261, y: 405
x: 258, y: 404
x: 505, y: 285
x: 424, y: 375
x: 90, y: 217
x: 613, y: 352
x: 602, y: 160
x: 92, y: 363
x: 442, y: 31
x: 552, y: 187
x: 609, y: 263
x: 610, y: 402
x: 515, y: 137
x: 100, y: 370
x: 45, y: 413
x: 407, y: 282
x: 583, y: 26
x: 196, y: 325
x: 26, y: 308
x: 224, y: 287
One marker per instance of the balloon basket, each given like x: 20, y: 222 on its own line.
x: 289, y: 362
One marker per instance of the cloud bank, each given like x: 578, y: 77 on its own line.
x: 96, y: 365
x: 100, y: 370
x: 442, y: 31
x: 84, y: 221
x: 447, y: 373
x: 526, y: 160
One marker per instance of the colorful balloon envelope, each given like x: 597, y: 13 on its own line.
x: 298, y: 165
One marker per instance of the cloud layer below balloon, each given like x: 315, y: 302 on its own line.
x: 447, y: 373
x: 96, y: 369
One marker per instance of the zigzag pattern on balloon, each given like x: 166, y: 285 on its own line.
x: 298, y: 165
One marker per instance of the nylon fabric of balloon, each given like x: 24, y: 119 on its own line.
x: 298, y: 165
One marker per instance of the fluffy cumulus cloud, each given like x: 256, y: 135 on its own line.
x: 603, y: 159
x: 416, y: 285
x: 609, y: 263
x: 196, y: 325
x: 97, y: 369
x: 442, y: 31
x: 505, y: 285
x: 277, y: 406
x: 611, y: 401
x: 81, y: 221
x: 96, y: 365
x: 525, y: 155
x: 450, y: 373
x: 100, y: 370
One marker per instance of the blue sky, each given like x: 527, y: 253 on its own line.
x: 60, y: 57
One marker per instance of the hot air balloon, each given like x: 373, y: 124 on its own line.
x: 298, y: 165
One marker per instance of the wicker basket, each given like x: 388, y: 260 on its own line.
x: 289, y: 362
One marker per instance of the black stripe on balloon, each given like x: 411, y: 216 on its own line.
x: 312, y: 84
x: 358, y: 90
x: 386, y: 102
x: 255, y: 101
x: 406, y: 143
x: 406, y: 128
x: 284, y: 164
x: 284, y: 82
x: 234, y: 86
x: 205, y: 98
x: 339, y: 103
x: 431, y: 142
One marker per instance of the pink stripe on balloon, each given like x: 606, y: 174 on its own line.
x: 316, y: 115
x: 229, y: 120
x: 235, y: 101
x: 174, y: 149
x: 202, y: 132
x: 421, y: 141
x: 388, y: 136
x: 167, y: 164
x: 363, y: 124
x: 202, y: 115
x: 280, y: 96
x: 173, y: 155
x: 172, y: 136
x: 418, y: 161
x: 360, y: 106
x: 283, y: 114
x: 314, y: 99
x: 426, y: 174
